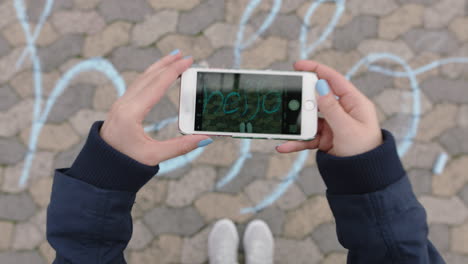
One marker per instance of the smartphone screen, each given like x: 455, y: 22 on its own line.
x: 248, y: 103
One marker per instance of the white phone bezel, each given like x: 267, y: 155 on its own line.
x: 188, y: 97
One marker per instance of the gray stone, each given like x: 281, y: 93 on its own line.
x: 420, y: 40
x: 282, y: 66
x: 456, y: 70
x: 11, y: 151
x: 422, y: 2
x: 35, y: 8
x: 439, y: 235
x: 162, y: 110
x: 154, y: 27
x: 9, y: 204
x: 311, y: 182
x: 450, y: 211
x: 130, y: 58
x: 195, y: 249
x: 326, y: 239
x: 443, y: 90
x: 182, y: 221
x: 453, y: 258
x: 360, y: 28
x: 253, y: 168
x: 464, y: 195
x: 274, y: 217
x: 455, y: 141
x: 4, y: 46
x: 371, y: 7
x: 177, y: 173
x: 60, y: 51
x: 285, y: 26
x: 133, y: 11
x: 141, y: 236
x: 27, y: 236
x: 8, y: 98
x: 185, y: 191
x: 200, y: 17
x: 221, y: 58
x: 65, y: 158
x: 421, y: 180
x: 398, y: 124
x: 441, y: 13
x: 372, y: 84
x: 297, y: 252
x: 422, y: 155
x: 74, y: 98
x: 31, y: 257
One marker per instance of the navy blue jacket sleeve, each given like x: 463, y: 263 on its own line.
x: 378, y: 218
x: 89, y: 215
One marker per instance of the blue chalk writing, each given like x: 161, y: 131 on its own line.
x: 42, y: 109
x: 307, y: 50
x: 440, y: 163
x: 240, y: 44
x: 40, y: 112
x: 228, y: 104
x: 407, y: 141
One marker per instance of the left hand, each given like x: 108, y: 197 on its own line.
x: 123, y: 128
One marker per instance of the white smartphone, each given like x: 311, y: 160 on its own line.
x: 248, y: 104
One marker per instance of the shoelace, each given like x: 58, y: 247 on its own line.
x: 260, y: 254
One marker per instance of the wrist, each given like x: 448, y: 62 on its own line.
x: 101, y: 165
x: 363, y: 173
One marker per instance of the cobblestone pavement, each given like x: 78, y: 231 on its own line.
x: 173, y: 214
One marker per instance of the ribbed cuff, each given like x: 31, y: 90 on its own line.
x: 104, y: 167
x: 364, y: 173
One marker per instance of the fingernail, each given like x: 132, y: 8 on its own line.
x: 174, y: 52
x: 205, y: 143
x: 187, y: 57
x: 322, y: 87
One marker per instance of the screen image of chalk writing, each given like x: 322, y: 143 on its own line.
x: 248, y: 103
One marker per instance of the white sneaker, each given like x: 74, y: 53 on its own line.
x: 258, y: 243
x: 223, y: 243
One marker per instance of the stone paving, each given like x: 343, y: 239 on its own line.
x: 174, y: 213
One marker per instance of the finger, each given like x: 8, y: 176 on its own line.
x: 326, y: 138
x: 165, y: 61
x: 294, y: 146
x: 349, y: 96
x: 152, y: 93
x: 330, y: 108
x: 178, y: 146
x: 340, y: 85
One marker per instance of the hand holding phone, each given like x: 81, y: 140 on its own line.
x: 123, y: 128
x: 248, y: 104
x: 350, y: 125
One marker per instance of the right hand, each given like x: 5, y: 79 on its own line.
x: 350, y: 125
x: 123, y: 128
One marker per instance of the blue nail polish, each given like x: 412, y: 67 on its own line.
x: 187, y: 57
x: 205, y: 143
x: 322, y: 87
x: 174, y: 52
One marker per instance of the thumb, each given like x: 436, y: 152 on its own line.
x: 330, y: 107
x: 180, y: 146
